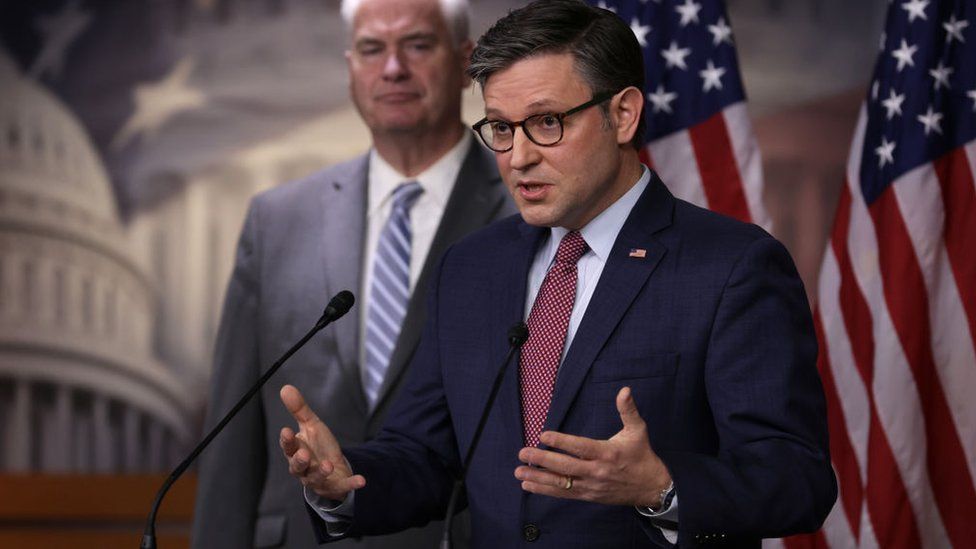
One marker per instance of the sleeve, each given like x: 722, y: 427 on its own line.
x: 336, y: 515
x: 411, y: 465
x: 772, y: 475
x: 665, y: 520
x: 232, y: 469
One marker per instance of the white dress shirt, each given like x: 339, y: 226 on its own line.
x: 437, y: 181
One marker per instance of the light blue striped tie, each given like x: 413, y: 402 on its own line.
x: 389, y: 290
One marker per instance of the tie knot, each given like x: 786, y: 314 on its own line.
x: 406, y: 194
x: 571, y: 248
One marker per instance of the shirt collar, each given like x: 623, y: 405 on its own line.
x: 437, y: 181
x: 601, y: 232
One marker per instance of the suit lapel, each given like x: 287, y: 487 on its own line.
x: 508, y: 307
x: 622, y: 280
x: 476, y: 199
x: 344, y: 213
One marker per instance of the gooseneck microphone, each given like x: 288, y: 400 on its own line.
x: 338, y: 306
x: 517, y: 335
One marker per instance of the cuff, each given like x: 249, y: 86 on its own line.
x: 665, y: 519
x: 337, y: 515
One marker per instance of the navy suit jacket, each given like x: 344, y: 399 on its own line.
x: 712, y: 331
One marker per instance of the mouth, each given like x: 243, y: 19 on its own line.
x: 532, y: 190
x: 397, y: 97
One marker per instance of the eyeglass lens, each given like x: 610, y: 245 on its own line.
x: 542, y: 129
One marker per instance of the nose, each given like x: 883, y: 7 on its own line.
x: 525, y: 153
x: 394, y: 68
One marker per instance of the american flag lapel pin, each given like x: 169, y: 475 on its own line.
x: 638, y: 253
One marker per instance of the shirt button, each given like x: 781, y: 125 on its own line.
x: 530, y: 532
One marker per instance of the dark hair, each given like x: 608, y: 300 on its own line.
x: 605, y: 51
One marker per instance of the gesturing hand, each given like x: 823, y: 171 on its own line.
x: 313, y: 454
x: 623, y: 470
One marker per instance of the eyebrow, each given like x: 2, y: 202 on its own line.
x: 417, y: 35
x: 548, y: 105
x: 367, y: 41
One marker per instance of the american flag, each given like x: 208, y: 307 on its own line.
x: 699, y: 137
x: 896, y: 316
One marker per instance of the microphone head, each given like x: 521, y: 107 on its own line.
x: 518, y: 334
x: 339, y: 305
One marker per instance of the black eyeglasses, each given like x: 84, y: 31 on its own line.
x: 544, y: 129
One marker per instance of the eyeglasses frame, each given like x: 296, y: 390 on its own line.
x: 596, y: 100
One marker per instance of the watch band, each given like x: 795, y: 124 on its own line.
x: 667, y: 495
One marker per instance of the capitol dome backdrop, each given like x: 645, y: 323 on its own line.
x: 134, y: 133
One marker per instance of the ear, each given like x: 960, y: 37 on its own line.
x: 464, y: 50
x: 349, y: 71
x: 626, y: 110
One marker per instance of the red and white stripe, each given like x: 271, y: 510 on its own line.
x: 896, y: 321
x: 714, y: 164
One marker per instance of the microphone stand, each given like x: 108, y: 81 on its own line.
x: 517, y: 335
x: 337, y: 307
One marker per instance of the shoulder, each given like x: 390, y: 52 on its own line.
x: 489, y: 250
x: 711, y: 246
x: 300, y: 191
x: 504, y: 231
x: 703, y: 229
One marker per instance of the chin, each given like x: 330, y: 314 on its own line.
x: 404, y: 126
x: 393, y: 118
x: 538, y: 219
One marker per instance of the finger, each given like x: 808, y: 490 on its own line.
x: 581, y: 447
x: 340, y: 488
x: 298, y: 463
x: 560, y: 464
x: 295, y: 403
x: 627, y: 407
x: 553, y: 491
x: 318, y: 473
x: 540, y: 476
x: 288, y: 442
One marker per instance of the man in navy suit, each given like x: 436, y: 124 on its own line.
x: 667, y: 392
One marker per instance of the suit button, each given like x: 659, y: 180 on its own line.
x: 530, y: 532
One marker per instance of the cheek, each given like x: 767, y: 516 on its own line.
x: 563, y: 163
x: 586, y: 163
x: 359, y: 86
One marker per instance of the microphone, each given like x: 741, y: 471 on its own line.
x: 338, y: 306
x: 517, y: 335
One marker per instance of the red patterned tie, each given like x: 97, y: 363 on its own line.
x: 548, y: 322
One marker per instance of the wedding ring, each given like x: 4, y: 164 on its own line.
x: 569, y: 483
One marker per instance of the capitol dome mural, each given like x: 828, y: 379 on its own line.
x: 80, y: 388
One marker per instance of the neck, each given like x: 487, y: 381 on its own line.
x: 410, y: 153
x: 624, y: 178
x: 630, y: 171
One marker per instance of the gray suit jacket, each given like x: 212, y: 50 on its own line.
x: 301, y: 243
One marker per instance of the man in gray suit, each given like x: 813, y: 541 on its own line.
x: 376, y: 225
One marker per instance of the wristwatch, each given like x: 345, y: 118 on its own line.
x: 666, y: 496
